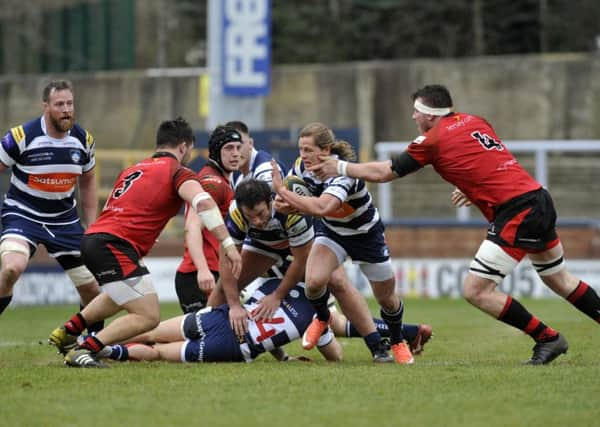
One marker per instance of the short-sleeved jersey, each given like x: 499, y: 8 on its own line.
x: 219, y: 187
x: 143, y: 200
x: 282, y: 231
x: 465, y: 151
x: 45, y: 170
x: 289, y: 322
x: 260, y: 168
x: 357, y: 215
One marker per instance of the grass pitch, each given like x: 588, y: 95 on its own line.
x: 469, y: 375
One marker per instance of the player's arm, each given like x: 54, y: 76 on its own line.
x: 313, y: 206
x: 238, y: 316
x: 370, y: 171
x: 382, y: 171
x: 88, y: 194
x: 193, y: 240
x: 268, y: 305
x: 192, y: 192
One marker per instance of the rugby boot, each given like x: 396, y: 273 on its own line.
x: 382, y: 354
x: 402, y: 354
x: 311, y: 336
x: 62, y: 340
x: 546, y: 352
x: 423, y: 335
x: 83, y: 358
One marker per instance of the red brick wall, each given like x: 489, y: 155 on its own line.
x: 427, y: 242
x: 462, y: 242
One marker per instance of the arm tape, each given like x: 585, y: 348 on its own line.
x: 404, y: 163
x: 211, y: 217
x: 227, y: 242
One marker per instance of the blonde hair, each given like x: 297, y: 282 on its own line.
x: 324, y: 137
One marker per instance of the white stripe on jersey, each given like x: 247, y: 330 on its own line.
x: 45, y: 169
x: 343, y: 231
x: 45, y: 141
x: 41, y: 222
x: 336, y: 186
x: 6, y: 159
x: 264, y: 172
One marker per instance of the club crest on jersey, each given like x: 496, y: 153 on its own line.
x: 419, y: 139
x: 75, y: 156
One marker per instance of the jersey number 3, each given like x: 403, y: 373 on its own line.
x: 126, y: 185
x: 487, y: 141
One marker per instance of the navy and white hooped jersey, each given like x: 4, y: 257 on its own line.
x: 45, y: 170
x: 288, y: 323
x: 260, y: 168
x: 282, y: 231
x: 357, y: 215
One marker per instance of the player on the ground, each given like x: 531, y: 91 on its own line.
x: 465, y: 150
x: 267, y: 239
x: 206, y: 336
x: 146, y: 195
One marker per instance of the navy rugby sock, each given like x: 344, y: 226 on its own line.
x: 321, y: 307
x: 372, y: 340
x: 380, y: 325
x: 94, y: 327
x: 119, y: 352
x: 4, y: 301
x: 394, y: 322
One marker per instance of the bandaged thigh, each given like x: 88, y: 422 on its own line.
x: 491, y: 262
x: 124, y: 291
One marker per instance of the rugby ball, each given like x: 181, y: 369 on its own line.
x: 297, y: 185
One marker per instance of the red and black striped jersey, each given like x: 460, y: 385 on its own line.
x: 465, y: 151
x: 145, y: 197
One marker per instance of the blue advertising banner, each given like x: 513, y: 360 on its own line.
x: 246, y: 61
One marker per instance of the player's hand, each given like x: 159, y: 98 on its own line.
x: 298, y: 359
x: 266, y: 307
x: 326, y: 169
x: 283, y: 207
x: 277, y: 182
x: 206, y: 281
x: 238, y: 319
x: 235, y: 260
x: 459, y: 199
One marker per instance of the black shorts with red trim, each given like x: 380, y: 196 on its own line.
x: 110, y: 258
x: 527, y: 221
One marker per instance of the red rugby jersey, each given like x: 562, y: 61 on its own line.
x: 143, y: 200
x: 219, y: 187
x: 465, y: 151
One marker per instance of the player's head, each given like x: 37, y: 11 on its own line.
x: 248, y: 144
x: 253, y: 199
x: 224, y: 145
x: 431, y: 102
x: 316, y: 139
x: 178, y: 135
x: 59, y: 106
